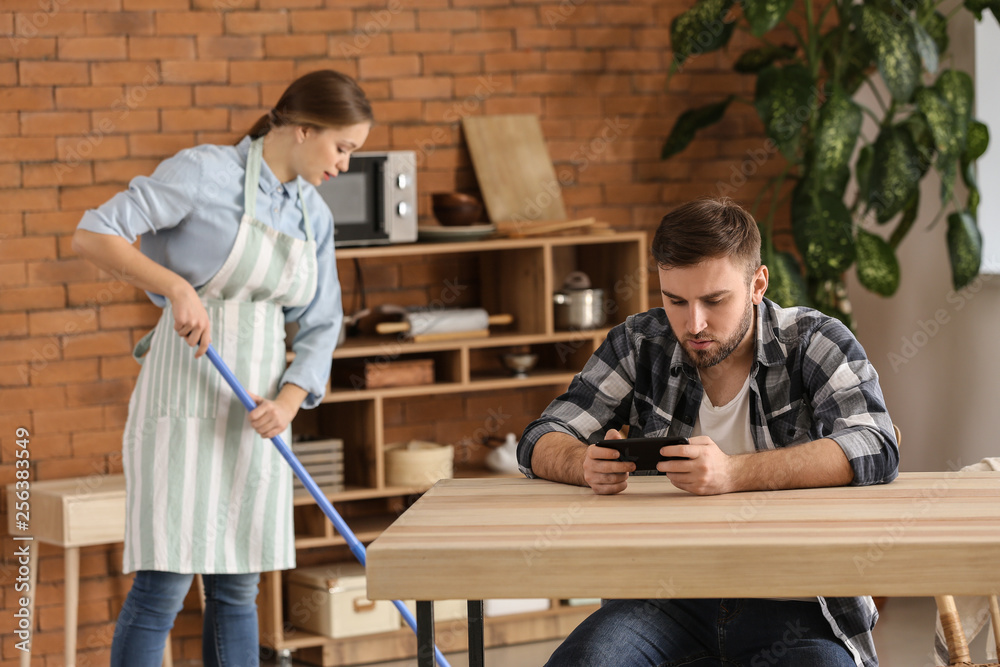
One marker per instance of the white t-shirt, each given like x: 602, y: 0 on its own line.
x: 729, y: 427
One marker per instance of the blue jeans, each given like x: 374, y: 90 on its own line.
x: 703, y: 633
x: 229, y: 631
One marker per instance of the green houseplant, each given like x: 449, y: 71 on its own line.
x: 804, y: 96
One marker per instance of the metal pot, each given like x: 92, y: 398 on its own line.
x: 579, y: 308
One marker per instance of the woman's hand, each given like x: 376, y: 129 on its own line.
x: 271, y: 418
x: 190, y: 318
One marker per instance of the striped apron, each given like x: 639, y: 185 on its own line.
x: 205, y: 493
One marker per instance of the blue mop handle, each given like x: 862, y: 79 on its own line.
x: 353, y: 542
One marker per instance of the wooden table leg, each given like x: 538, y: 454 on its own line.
x: 476, y: 645
x: 30, y: 594
x: 72, y: 558
x: 425, y: 633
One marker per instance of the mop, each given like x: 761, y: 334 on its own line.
x: 353, y: 543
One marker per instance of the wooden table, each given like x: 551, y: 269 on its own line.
x: 71, y: 513
x: 925, y: 534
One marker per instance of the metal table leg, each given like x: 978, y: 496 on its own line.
x: 425, y: 633
x: 476, y: 648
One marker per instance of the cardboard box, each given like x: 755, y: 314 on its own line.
x: 514, y: 606
x: 444, y: 610
x: 331, y: 600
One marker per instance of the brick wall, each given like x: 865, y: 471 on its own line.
x: 94, y: 92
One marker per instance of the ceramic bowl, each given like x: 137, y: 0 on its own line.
x: 519, y: 363
x: 455, y: 208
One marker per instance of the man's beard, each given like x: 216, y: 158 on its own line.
x: 708, y: 358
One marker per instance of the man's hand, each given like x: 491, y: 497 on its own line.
x: 707, y: 472
x: 603, y: 471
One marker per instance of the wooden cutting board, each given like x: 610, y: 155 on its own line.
x: 513, y: 167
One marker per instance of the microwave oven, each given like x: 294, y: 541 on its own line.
x: 374, y: 202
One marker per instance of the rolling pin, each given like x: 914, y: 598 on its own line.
x: 428, y: 324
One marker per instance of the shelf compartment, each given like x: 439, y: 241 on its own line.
x: 357, y: 422
x: 556, y: 361
x: 617, y: 266
x: 348, y: 375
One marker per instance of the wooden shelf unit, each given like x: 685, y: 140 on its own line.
x: 516, y: 276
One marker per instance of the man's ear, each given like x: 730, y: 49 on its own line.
x: 759, y: 284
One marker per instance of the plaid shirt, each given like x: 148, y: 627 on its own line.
x: 810, y: 379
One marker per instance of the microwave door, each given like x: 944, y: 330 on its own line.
x: 356, y: 201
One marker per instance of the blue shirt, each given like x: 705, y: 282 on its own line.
x: 188, y: 212
x: 810, y: 379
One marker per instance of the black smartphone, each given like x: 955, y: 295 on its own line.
x: 644, y: 452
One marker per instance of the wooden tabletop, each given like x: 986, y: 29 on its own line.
x: 924, y: 534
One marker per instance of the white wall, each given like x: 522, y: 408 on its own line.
x: 937, y: 352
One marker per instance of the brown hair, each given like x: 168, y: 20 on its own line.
x: 324, y: 98
x: 704, y: 229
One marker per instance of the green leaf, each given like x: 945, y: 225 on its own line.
x: 976, y: 142
x: 863, y: 172
x: 852, y: 56
x: 977, y: 7
x: 822, y: 227
x: 906, y: 222
x: 926, y: 46
x: 689, y: 123
x: 785, y: 98
x: 878, y: 268
x: 958, y: 91
x: 701, y: 29
x: 936, y: 25
x: 896, y: 171
x: 764, y: 15
x: 895, y: 50
x: 920, y: 131
x: 948, y: 169
x: 785, y: 285
x: 965, y: 248
x: 755, y: 60
x: 839, y: 127
x: 973, y: 202
x: 940, y: 119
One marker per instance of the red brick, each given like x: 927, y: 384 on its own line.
x: 52, y: 123
x: 509, y: 17
x: 25, y: 298
x: 10, y: 175
x: 40, y: 174
x: 512, y: 105
x: 13, y: 375
x: 64, y: 271
x: 92, y: 48
x: 27, y: 398
x: 635, y: 61
x: 8, y: 74
x: 11, y: 224
x: 122, y: 171
x: 481, y: 42
x: 324, y: 20
x: 87, y: 97
x: 120, y: 23
x: 44, y: 23
x: 115, y: 416
x: 179, y: 120
x: 62, y: 469
x: 543, y: 38
x: 161, y: 48
x: 142, y: 5
x: 52, y: 372
x: 9, y: 124
x: 97, y: 344
x: 62, y: 322
x: 188, y: 23
x: 453, y: 64
x: 24, y: 98
x: 27, y: 149
x: 75, y: 151
x: 27, y: 248
x: 88, y: 196
x: 289, y: 4
x: 546, y: 84
x: 424, y: 42
x: 240, y: 96
x: 392, y: 19
x: 224, y: 47
x: 359, y: 44
x: 513, y: 62
x: 282, y: 71
x: 637, y: 15
x: 421, y: 87
x: 34, y: 73
x: 53, y: 618
x: 574, y: 61
x: 563, y: 15
x: 391, y: 111
x: 123, y: 120
x: 13, y: 324
x: 452, y: 19
x: 131, y: 72
x: 119, y: 367
x: 159, y: 145
x: 256, y: 23
x: 472, y: 89
x: 125, y: 315
x: 20, y: 47
x: 102, y: 293
x: 295, y: 46
x: 98, y: 393
x: 157, y: 96
x: 387, y: 67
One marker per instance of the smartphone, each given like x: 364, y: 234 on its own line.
x: 644, y: 452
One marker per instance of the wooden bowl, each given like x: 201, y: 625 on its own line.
x: 455, y: 208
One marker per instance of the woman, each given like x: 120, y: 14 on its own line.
x: 234, y: 246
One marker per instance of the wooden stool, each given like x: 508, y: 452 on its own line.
x: 954, y: 635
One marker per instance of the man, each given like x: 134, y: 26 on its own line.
x: 769, y: 398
